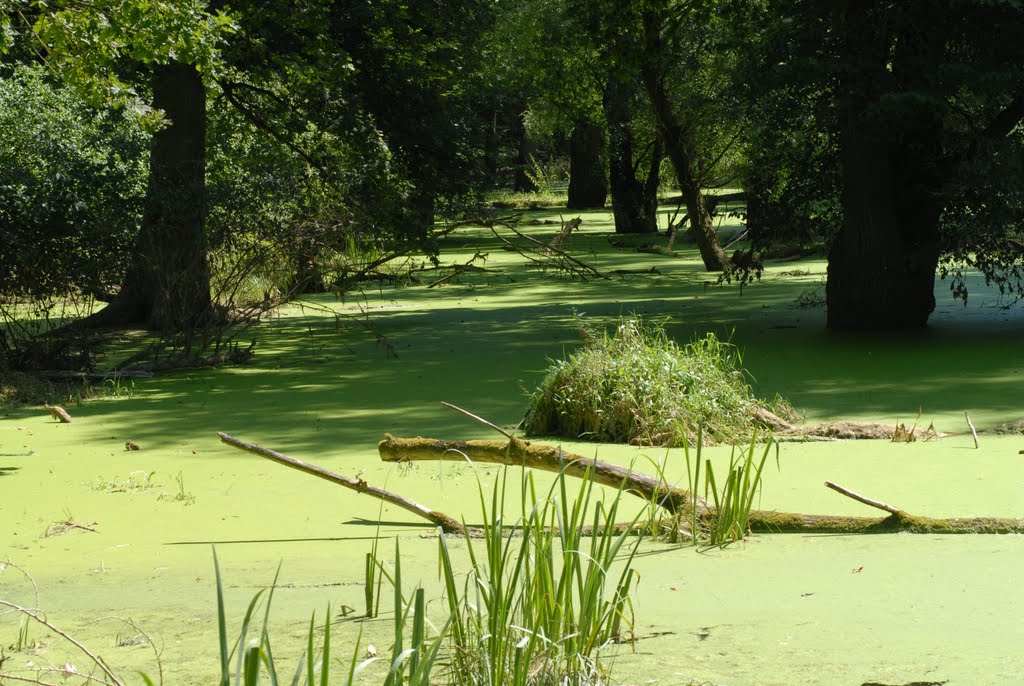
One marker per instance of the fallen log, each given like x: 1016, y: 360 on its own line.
x: 761, y: 521
x: 549, y: 458
x: 519, y: 453
x: 677, y: 501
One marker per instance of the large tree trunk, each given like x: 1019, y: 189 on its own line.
x: 587, y: 184
x: 423, y: 206
x: 167, y: 288
x: 881, y: 270
x: 634, y: 203
x: 678, y: 147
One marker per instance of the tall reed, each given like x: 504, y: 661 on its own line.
x: 254, y: 656
x: 726, y: 513
x: 540, y: 603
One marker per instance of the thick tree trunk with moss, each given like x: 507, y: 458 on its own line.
x: 678, y: 147
x: 634, y: 202
x: 881, y: 270
x: 167, y: 288
x: 881, y: 266
x: 587, y: 184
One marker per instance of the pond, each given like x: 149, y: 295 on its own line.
x: 777, y: 609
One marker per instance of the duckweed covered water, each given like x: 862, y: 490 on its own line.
x: 777, y: 610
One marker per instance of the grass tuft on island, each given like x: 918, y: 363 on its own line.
x: 636, y: 385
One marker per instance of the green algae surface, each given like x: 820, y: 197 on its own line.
x: 779, y: 609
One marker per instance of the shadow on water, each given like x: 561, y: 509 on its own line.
x: 484, y: 344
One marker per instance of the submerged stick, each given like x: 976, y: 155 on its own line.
x: 862, y: 499
x: 973, y: 432
x: 448, y: 524
x: 479, y: 419
x: 543, y: 457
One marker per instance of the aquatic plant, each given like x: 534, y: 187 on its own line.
x: 727, y: 514
x: 636, y: 385
x: 539, y: 607
x: 410, y: 663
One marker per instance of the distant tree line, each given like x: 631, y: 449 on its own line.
x: 150, y: 148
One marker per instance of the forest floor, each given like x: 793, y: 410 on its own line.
x: 777, y: 609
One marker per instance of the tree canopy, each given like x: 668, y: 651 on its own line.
x: 151, y: 147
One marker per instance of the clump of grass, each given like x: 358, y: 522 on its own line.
x: 727, y: 515
x: 636, y: 385
x: 506, y: 200
x: 539, y: 608
x: 18, y: 389
x: 413, y: 655
x: 182, y: 496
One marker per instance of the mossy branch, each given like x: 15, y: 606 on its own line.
x: 675, y: 500
x: 519, y: 453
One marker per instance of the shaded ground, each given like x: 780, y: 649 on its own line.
x: 779, y: 610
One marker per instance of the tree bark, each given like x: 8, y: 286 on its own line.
x: 167, y: 286
x: 678, y: 147
x: 634, y: 203
x: 423, y: 206
x: 587, y: 184
x: 518, y: 453
x: 521, y: 182
x: 881, y: 266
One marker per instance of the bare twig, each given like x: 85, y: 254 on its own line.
x: 449, y: 524
x: 479, y: 419
x: 862, y: 499
x: 973, y: 432
x: 537, y: 252
x: 96, y: 659
x: 458, y: 270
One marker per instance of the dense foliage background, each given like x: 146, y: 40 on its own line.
x: 183, y: 159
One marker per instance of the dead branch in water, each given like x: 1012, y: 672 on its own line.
x: 676, y: 501
x: 974, y: 433
x: 537, y: 252
x: 448, y: 524
x: 519, y: 453
x: 862, y: 499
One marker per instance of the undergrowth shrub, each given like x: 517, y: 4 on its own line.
x: 636, y: 385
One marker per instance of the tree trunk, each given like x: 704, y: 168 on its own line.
x: 587, y: 184
x: 167, y: 287
x: 308, y: 277
x: 423, y: 207
x: 634, y: 204
x: 678, y: 147
x: 881, y: 268
x: 522, y: 183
